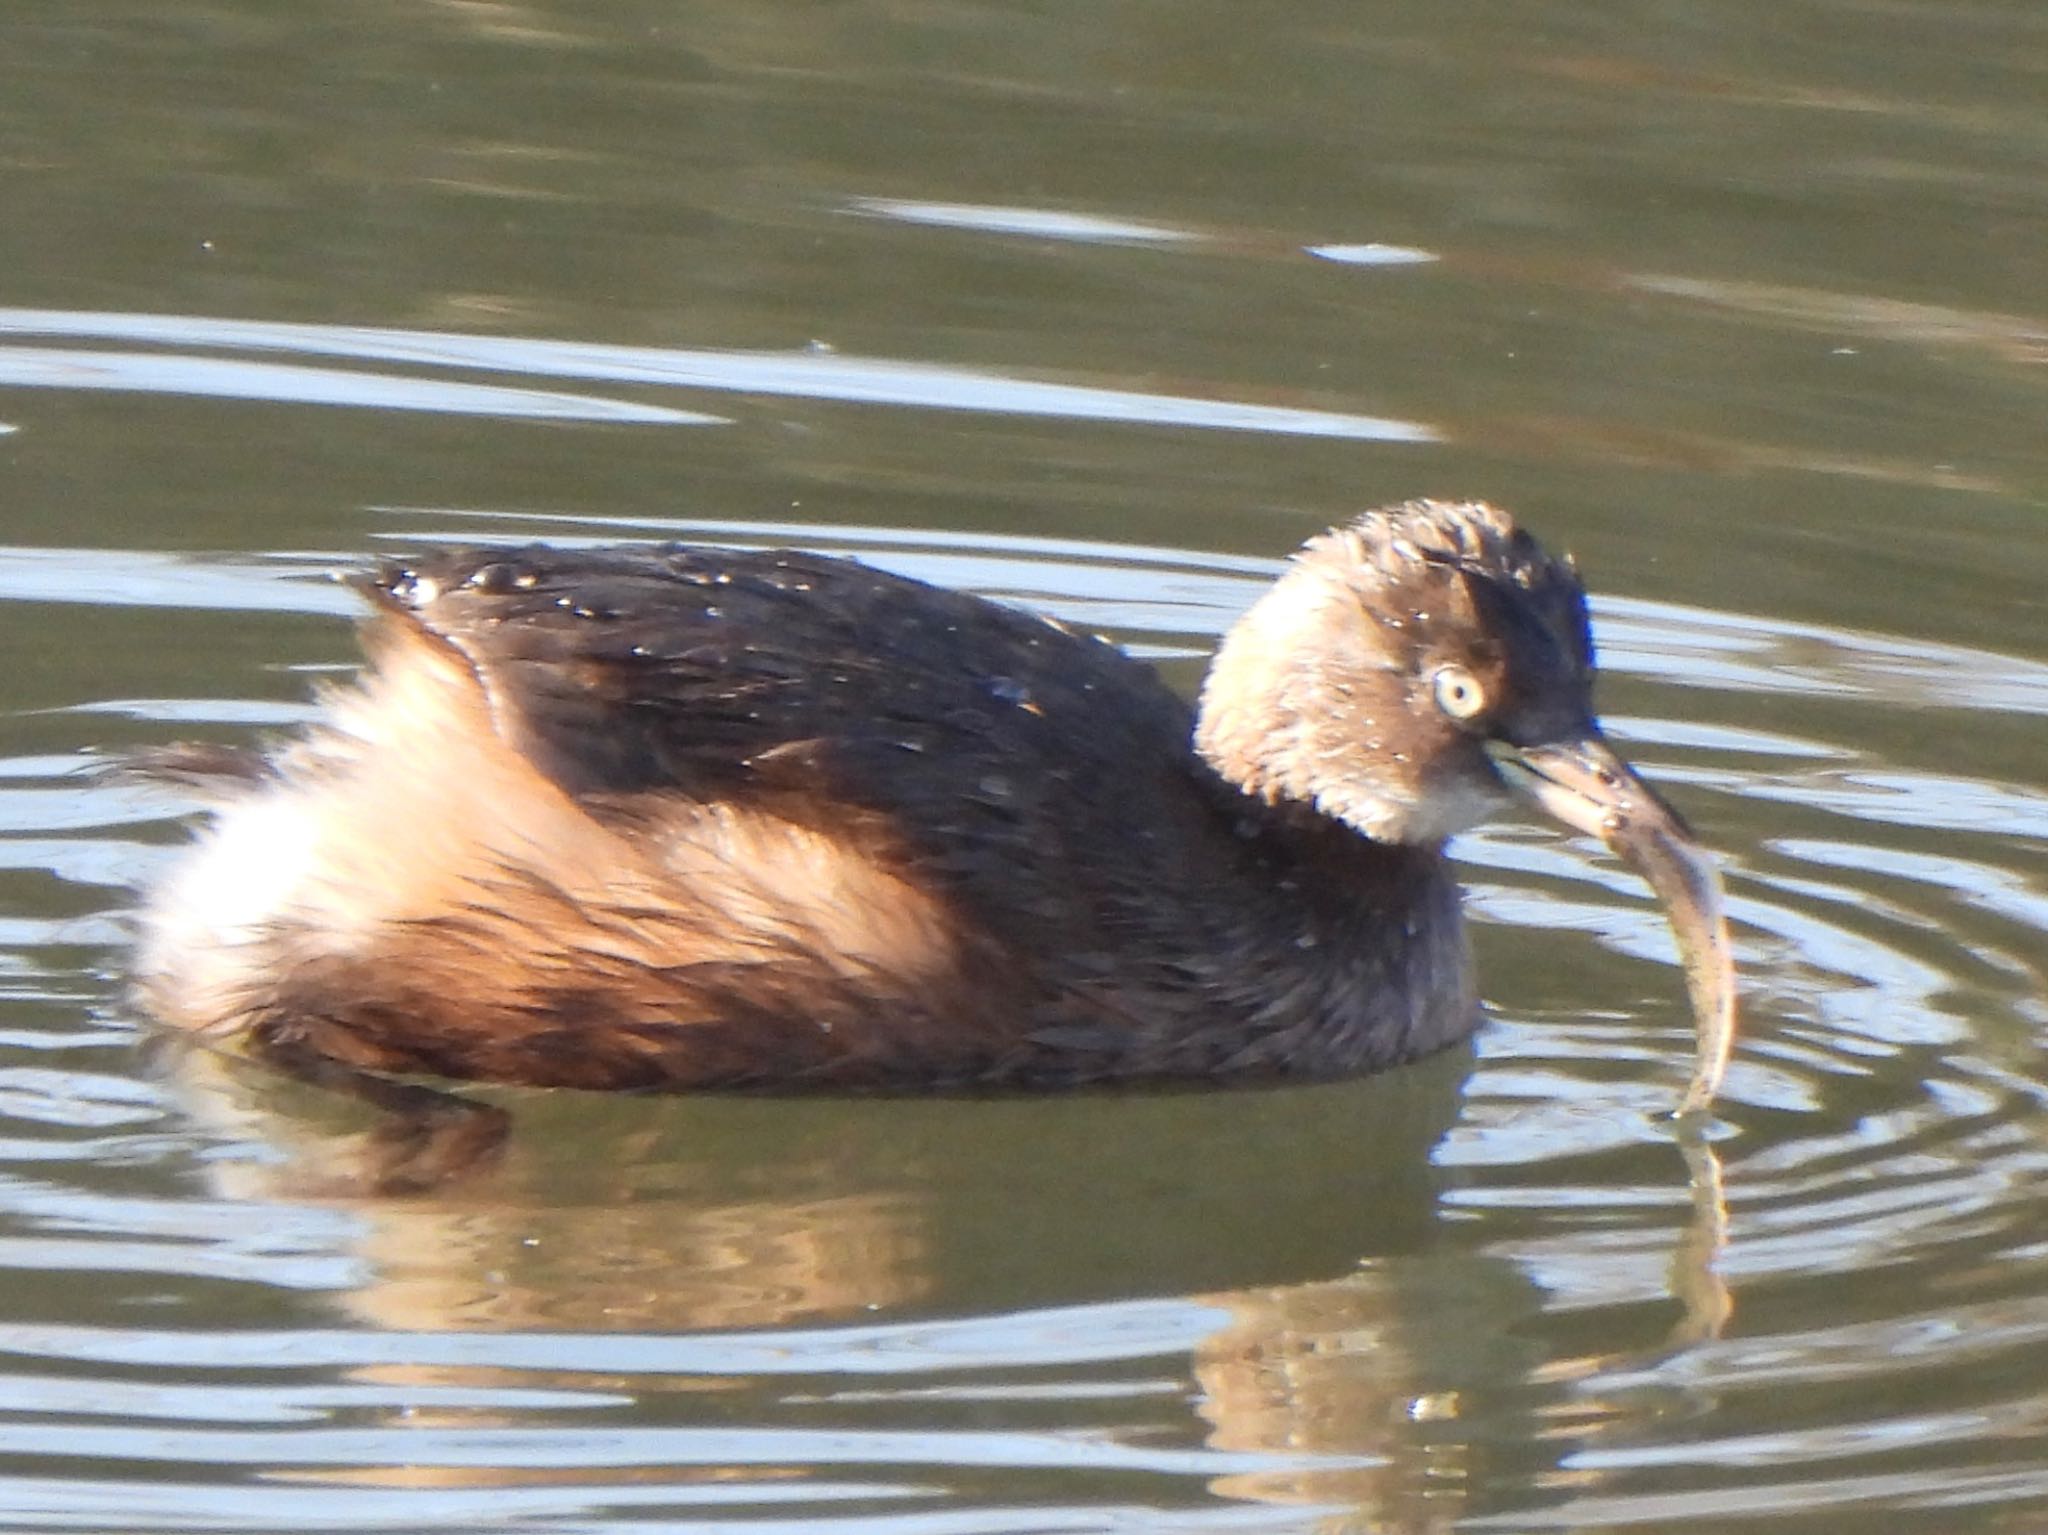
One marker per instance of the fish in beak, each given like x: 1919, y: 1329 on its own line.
x: 1583, y: 784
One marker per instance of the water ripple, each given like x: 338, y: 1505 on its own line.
x: 676, y: 1338
x: 815, y: 374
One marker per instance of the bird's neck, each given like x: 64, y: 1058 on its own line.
x: 1350, y: 954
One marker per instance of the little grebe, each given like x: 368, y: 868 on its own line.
x: 674, y: 817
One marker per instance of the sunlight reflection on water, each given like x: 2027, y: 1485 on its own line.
x: 818, y: 374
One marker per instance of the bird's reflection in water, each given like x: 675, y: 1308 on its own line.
x: 1390, y: 1363
x: 1408, y: 1376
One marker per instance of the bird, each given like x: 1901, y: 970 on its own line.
x: 669, y: 818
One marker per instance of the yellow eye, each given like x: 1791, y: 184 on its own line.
x: 1458, y: 693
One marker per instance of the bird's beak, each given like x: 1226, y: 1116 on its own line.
x: 1583, y: 784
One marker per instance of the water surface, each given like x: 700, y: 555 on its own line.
x: 1100, y: 312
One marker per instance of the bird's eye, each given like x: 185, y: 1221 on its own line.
x: 1458, y: 693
